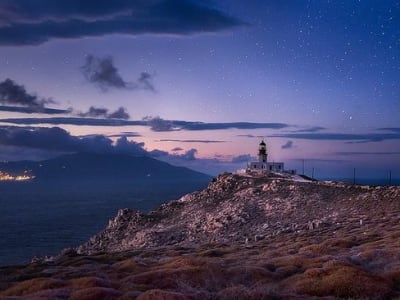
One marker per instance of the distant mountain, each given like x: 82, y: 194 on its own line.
x: 82, y: 167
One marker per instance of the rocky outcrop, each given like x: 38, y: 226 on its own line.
x: 275, y: 237
x: 242, y: 209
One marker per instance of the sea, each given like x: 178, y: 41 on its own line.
x: 42, y: 221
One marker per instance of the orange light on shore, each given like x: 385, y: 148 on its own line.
x: 7, y: 177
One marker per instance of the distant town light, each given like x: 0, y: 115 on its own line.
x: 4, y: 176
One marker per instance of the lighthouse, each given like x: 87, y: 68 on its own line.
x: 262, y: 166
x: 262, y: 152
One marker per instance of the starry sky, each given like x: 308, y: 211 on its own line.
x: 200, y: 83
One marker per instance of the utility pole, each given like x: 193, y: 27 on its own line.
x: 354, y: 176
x: 390, y: 177
x: 303, y: 167
x: 312, y: 176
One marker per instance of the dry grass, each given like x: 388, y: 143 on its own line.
x: 33, y: 285
x: 362, y: 264
x: 343, y: 281
x: 95, y: 293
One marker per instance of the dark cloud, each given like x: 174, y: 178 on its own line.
x: 126, y: 134
x: 176, y: 149
x: 310, y: 129
x: 120, y: 113
x: 367, y: 137
x: 366, y: 153
x: 249, y: 135
x: 241, y: 158
x: 123, y: 145
x: 193, y: 141
x: 158, y: 153
x: 318, y: 160
x: 287, y: 145
x: 72, y: 121
x: 26, y: 23
x: 233, y: 125
x: 53, y: 139
x: 145, y: 82
x: 96, y: 112
x: 33, y: 110
x: 189, y: 155
x: 155, y: 123
x: 56, y: 139
x: 13, y: 93
x: 103, y: 73
x: 158, y: 124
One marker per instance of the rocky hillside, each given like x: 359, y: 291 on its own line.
x: 240, y: 209
x: 275, y: 237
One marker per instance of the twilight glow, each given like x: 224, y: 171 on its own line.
x: 199, y: 83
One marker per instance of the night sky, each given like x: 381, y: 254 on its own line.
x: 200, y: 83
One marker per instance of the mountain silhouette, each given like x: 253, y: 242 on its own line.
x: 94, y: 166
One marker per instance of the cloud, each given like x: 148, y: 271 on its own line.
x: 122, y: 145
x: 366, y: 153
x: 367, y: 137
x: 155, y: 123
x: 126, y: 134
x: 193, y: 141
x: 145, y: 82
x: 287, y: 145
x: 158, y: 153
x: 32, y: 110
x: 56, y: 139
x: 176, y: 149
x: 232, y: 125
x: 248, y: 135
x: 158, y: 124
x: 53, y: 139
x: 189, y: 155
x: 101, y: 112
x: 72, y: 121
x: 12, y: 93
x: 241, y: 158
x: 310, y: 129
x: 103, y: 73
x: 120, y: 113
x: 25, y: 24
x: 95, y: 112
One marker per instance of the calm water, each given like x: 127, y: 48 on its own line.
x: 43, y: 220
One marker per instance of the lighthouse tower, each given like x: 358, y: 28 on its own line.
x: 262, y: 166
x: 262, y: 152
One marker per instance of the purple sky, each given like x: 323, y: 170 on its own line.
x: 199, y: 83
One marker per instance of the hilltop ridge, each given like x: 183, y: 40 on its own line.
x: 238, y: 208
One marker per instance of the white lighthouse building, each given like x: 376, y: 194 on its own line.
x: 262, y: 165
